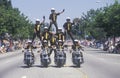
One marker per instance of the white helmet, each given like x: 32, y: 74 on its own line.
x: 37, y: 19
x: 45, y: 28
x: 29, y: 41
x: 45, y: 41
x: 76, y: 40
x: 53, y: 9
x: 59, y: 41
x: 60, y: 29
x: 68, y: 18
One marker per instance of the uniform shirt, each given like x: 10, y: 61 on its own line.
x: 53, y: 16
x: 53, y: 40
x: 60, y: 36
x: 68, y: 26
x: 76, y: 47
x: 37, y: 27
x: 46, y: 35
x: 30, y: 47
x: 60, y: 47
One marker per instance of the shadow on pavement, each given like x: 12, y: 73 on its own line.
x: 54, y: 66
x: 73, y: 66
x: 25, y: 66
x: 39, y: 66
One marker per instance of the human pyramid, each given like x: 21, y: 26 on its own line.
x: 59, y: 37
x: 55, y: 41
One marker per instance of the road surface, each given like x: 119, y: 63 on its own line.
x: 98, y: 64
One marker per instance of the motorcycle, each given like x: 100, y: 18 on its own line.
x: 60, y: 58
x: 45, y: 59
x: 28, y: 58
x: 77, y: 58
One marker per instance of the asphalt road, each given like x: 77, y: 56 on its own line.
x: 98, y: 64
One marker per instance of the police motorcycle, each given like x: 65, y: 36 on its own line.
x: 60, y: 56
x: 28, y: 55
x: 44, y: 55
x: 77, y: 57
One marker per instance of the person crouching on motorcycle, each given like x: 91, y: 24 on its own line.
x: 53, y: 43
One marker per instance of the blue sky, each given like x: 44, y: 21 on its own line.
x: 73, y: 8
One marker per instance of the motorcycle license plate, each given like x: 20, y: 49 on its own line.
x: 29, y: 57
x: 60, y: 57
x: 77, y: 57
x: 45, y: 57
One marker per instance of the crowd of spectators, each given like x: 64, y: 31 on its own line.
x: 7, y: 44
x: 108, y: 45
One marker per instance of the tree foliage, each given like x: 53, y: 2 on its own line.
x: 14, y: 22
x: 103, y: 22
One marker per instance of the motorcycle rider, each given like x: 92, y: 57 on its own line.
x: 60, y: 47
x: 67, y: 27
x: 53, y: 18
x: 77, y: 47
x: 44, y: 47
x: 37, y: 29
x: 45, y: 40
x: 30, y: 47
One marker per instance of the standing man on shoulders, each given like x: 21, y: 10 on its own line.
x: 68, y: 28
x: 37, y: 28
x: 53, y: 18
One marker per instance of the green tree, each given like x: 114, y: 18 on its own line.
x: 101, y: 22
x: 13, y: 21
